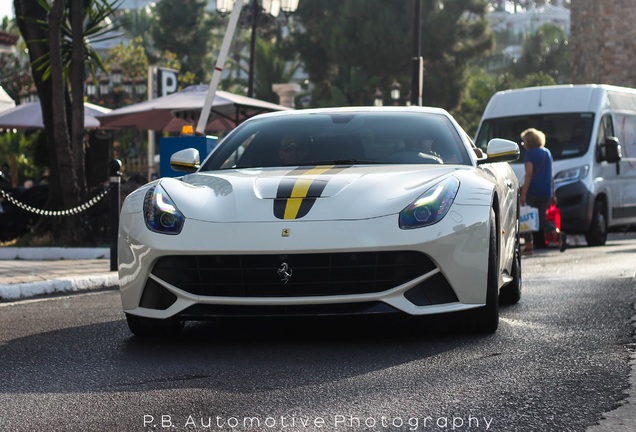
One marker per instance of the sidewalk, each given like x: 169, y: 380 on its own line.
x: 29, y: 272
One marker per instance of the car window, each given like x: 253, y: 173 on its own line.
x: 340, y: 138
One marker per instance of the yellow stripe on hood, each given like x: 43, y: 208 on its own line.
x: 299, y: 192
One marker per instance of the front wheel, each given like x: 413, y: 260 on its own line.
x: 486, y: 318
x: 511, y: 293
x: 150, y: 327
x: 597, y: 234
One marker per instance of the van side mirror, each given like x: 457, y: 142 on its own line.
x: 611, y: 150
x: 185, y: 160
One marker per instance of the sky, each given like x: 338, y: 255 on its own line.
x: 6, y: 8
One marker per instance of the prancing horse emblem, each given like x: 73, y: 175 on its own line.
x: 285, y: 272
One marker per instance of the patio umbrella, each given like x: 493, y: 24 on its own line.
x: 169, y: 113
x: 29, y: 116
x: 5, y: 100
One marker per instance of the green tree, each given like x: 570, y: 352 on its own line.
x: 455, y: 34
x: 20, y: 151
x: 272, y: 67
x: 480, y: 88
x: 57, y: 35
x: 137, y: 24
x: 545, y: 51
x: 350, y: 48
x: 184, y: 27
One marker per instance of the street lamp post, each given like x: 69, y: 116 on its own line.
x: 417, y: 61
x: 254, y: 15
x: 395, y: 92
x: 378, y: 97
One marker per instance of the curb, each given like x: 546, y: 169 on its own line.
x: 25, y: 290
x: 52, y: 253
x: 71, y: 284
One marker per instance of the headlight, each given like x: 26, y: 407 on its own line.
x: 431, y: 206
x: 160, y: 213
x: 571, y: 175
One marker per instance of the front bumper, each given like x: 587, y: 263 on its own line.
x: 577, y: 206
x: 337, y: 267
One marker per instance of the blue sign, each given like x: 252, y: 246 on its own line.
x: 170, y: 145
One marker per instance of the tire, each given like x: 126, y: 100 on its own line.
x: 597, y: 234
x: 150, y: 327
x: 486, y: 318
x: 511, y: 293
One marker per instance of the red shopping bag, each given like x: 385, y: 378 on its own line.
x: 553, y: 217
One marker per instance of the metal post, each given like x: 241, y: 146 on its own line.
x: 416, y: 82
x: 250, y: 76
x: 152, y: 71
x: 114, y: 190
x: 218, y: 69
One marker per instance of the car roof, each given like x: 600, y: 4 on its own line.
x: 355, y: 109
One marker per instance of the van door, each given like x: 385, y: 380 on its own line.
x: 625, y: 210
x: 610, y: 184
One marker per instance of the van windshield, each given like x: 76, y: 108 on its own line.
x: 567, y: 135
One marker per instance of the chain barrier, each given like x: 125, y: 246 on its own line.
x: 41, y: 212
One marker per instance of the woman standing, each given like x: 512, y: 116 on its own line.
x: 538, y: 186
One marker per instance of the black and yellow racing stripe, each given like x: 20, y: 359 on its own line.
x: 297, y: 192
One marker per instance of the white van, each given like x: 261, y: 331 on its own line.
x: 591, y: 133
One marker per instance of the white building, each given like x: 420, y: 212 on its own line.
x: 521, y: 24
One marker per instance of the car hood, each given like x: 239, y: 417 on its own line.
x: 304, y: 194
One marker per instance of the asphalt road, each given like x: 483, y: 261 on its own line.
x: 559, y: 361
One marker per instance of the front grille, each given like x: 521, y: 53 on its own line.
x: 311, y: 274
x: 202, y: 311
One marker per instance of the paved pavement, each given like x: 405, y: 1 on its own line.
x: 30, y: 272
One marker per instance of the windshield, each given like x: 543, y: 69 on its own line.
x: 341, y: 138
x: 567, y: 135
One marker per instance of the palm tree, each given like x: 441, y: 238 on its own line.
x: 57, y: 35
x: 271, y: 68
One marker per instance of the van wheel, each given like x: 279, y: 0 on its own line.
x: 597, y: 234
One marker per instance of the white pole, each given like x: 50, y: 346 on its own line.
x: 151, y: 133
x: 218, y: 69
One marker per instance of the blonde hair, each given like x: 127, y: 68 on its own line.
x: 533, y: 138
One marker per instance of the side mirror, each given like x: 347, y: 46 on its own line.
x: 612, y: 150
x: 185, y: 160
x: 501, y: 150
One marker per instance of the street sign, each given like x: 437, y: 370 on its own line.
x: 166, y: 81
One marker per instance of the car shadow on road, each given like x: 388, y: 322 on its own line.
x: 231, y: 355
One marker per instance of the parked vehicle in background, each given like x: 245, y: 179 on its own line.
x: 591, y: 133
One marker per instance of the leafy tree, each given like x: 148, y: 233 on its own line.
x: 350, y: 48
x: 480, y: 88
x: 500, y: 5
x: 130, y: 57
x: 545, y: 51
x: 137, y: 24
x: 57, y: 35
x: 20, y: 152
x: 271, y: 68
x: 14, y: 77
x: 184, y: 27
x: 454, y: 36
